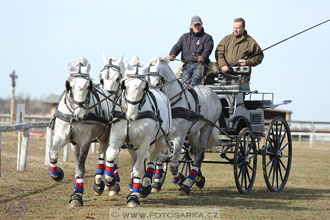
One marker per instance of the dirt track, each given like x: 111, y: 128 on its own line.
x: 34, y: 195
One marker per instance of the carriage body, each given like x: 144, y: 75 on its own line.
x: 244, y: 134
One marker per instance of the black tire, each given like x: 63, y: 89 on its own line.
x: 277, y: 154
x: 245, y: 161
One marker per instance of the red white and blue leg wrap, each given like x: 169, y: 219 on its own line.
x: 109, y: 168
x: 159, y: 171
x: 136, y: 186
x: 150, y: 170
x: 132, y: 177
x: 193, y: 172
x: 176, y: 178
x: 53, y: 169
x: 116, y: 173
x: 79, y: 185
x: 100, y: 166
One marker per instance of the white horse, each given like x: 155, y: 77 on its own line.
x: 194, y: 115
x: 110, y: 77
x: 80, y: 118
x: 146, y: 121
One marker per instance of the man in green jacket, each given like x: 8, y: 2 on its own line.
x: 238, y: 48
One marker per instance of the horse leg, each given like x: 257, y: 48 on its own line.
x: 98, y: 185
x: 80, y: 153
x: 156, y: 186
x: 111, y: 155
x: 133, y: 197
x: 190, y: 180
x: 205, y: 134
x: 177, y: 177
x: 133, y: 154
x: 59, y: 141
x: 147, y: 179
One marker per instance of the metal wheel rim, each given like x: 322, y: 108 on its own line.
x: 245, y: 161
x: 277, y: 155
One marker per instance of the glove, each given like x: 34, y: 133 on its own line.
x: 200, y: 59
x: 172, y: 57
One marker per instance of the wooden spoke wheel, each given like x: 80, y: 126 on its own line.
x: 277, y: 155
x: 245, y: 161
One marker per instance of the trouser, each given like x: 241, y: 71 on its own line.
x: 194, y: 73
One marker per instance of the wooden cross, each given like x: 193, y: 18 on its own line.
x: 13, y: 77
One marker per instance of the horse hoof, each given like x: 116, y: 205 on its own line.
x: 75, y: 203
x: 114, y: 190
x: 107, y: 188
x: 98, y: 188
x: 59, y: 177
x: 145, y: 191
x: 155, y: 187
x: 76, y: 200
x: 200, y: 184
x: 184, y: 190
x: 133, y: 201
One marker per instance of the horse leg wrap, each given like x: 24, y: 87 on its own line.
x: 200, y: 179
x: 150, y: 170
x: 110, y: 179
x: 100, y: 167
x: 116, y: 173
x: 55, y: 172
x: 193, y: 172
x: 157, y: 184
x: 178, y: 179
x: 159, y: 172
x: 99, y: 188
x: 136, y: 186
x: 79, y: 185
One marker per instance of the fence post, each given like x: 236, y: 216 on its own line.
x: 0, y: 151
x: 24, y: 149
x: 49, y: 139
x: 66, y: 153
x: 311, y: 136
x: 18, y: 149
x: 93, y: 147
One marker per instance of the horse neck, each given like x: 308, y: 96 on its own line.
x: 173, y: 87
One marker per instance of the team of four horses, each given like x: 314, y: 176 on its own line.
x: 142, y: 107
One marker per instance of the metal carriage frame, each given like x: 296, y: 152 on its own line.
x: 243, y: 134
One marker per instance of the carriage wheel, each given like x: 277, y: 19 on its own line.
x: 245, y: 161
x: 185, y: 163
x: 277, y: 155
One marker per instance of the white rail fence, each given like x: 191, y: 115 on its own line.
x: 23, y: 146
x: 310, y: 130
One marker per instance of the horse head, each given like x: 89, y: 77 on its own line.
x: 134, y: 87
x: 160, y: 73
x: 79, y: 85
x: 112, y: 73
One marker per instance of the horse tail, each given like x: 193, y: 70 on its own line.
x: 214, y: 138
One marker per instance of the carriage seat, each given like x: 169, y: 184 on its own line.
x: 254, y: 104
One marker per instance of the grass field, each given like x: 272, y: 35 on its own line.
x: 34, y: 195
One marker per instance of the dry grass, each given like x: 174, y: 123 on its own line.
x: 34, y: 195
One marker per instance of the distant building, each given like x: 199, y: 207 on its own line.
x: 269, y: 114
x: 52, y: 100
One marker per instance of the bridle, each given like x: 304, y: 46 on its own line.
x: 145, y: 90
x: 107, y: 75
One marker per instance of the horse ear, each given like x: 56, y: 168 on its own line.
x: 72, y: 68
x: 104, y: 57
x: 67, y: 85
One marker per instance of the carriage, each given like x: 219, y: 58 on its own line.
x: 244, y: 134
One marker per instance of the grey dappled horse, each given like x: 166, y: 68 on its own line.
x: 80, y: 118
x: 145, y: 121
x: 195, y: 110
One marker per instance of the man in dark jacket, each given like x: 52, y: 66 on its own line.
x: 195, y: 47
x: 238, y: 48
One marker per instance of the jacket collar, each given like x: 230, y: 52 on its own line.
x: 198, y: 34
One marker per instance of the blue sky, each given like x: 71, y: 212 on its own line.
x: 39, y: 37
